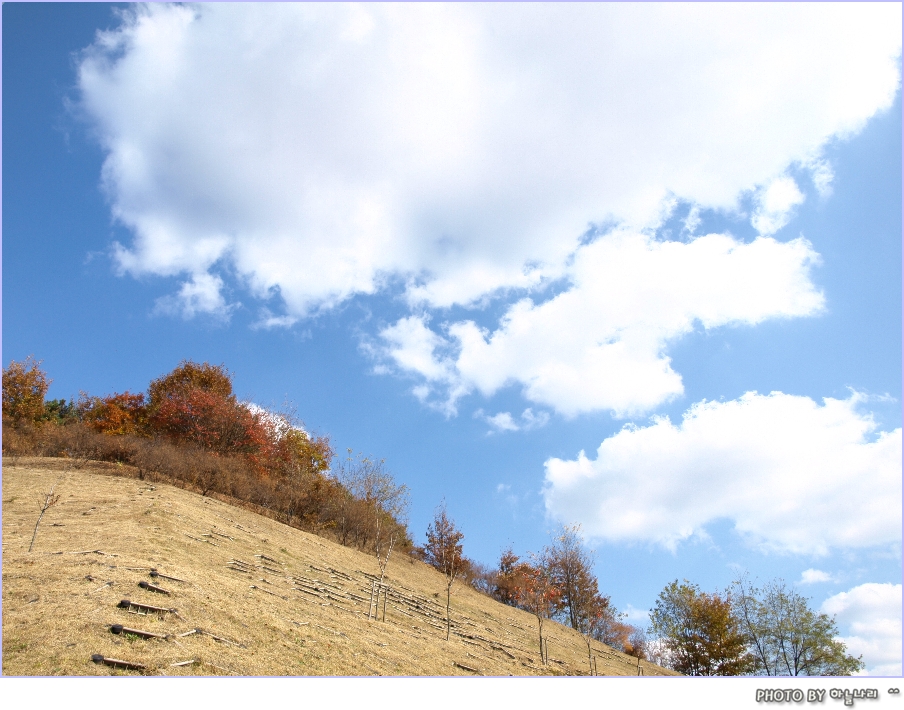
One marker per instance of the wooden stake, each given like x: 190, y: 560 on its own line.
x: 466, y: 668
x: 152, y: 588
x: 146, y: 608
x: 117, y: 663
x: 120, y: 629
x: 155, y: 574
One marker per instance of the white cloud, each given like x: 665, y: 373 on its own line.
x: 268, y: 320
x: 504, y: 421
x: 693, y: 220
x: 822, y: 175
x: 815, y: 576
x: 278, y: 424
x: 202, y: 294
x: 872, y: 614
x: 638, y: 617
x: 414, y: 347
x: 775, y: 203
x: 317, y: 150
x: 790, y: 474
x: 601, y: 344
x: 534, y: 421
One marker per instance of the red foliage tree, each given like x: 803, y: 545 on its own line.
x: 213, y: 422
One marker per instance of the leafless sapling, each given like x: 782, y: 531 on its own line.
x: 50, y: 500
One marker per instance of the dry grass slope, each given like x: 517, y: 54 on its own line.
x: 265, y: 598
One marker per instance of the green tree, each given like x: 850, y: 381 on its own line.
x: 786, y: 637
x: 700, y: 631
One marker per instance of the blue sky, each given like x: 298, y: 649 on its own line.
x: 478, y: 241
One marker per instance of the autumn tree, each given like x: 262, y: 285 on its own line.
x: 700, y: 631
x: 116, y: 414
x: 510, y: 578
x: 302, y: 455
x: 24, y: 387
x: 443, y: 551
x: 538, y: 593
x: 786, y: 637
x: 187, y: 376
x: 195, y: 404
x: 571, y: 567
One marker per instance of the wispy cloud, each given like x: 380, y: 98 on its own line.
x: 504, y: 421
x: 815, y: 576
x: 202, y: 294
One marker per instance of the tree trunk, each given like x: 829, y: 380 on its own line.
x: 540, y: 622
x: 448, y: 605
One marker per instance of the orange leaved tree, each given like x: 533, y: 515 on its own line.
x: 701, y: 632
x: 539, y: 594
x: 24, y: 387
x: 444, y: 552
x: 116, y: 414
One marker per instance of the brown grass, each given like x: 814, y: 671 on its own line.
x: 107, y: 532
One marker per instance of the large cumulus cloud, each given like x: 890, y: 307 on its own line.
x: 790, y: 474
x: 317, y: 149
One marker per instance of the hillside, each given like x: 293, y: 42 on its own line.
x: 264, y: 598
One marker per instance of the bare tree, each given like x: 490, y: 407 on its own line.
x: 443, y: 551
x: 786, y: 637
x: 50, y: 500
x: 377, y: 506
x: 571, y: 567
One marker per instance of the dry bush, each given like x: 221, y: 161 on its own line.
x: 18, y: 441
x: 80, y: 443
